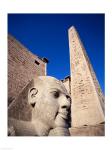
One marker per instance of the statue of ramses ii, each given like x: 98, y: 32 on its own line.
x: 41, y: 109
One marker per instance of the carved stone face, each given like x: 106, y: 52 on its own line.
x: 50, y: 102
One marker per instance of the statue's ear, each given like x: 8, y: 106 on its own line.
x: 32, y: 96
x: 20, y: 108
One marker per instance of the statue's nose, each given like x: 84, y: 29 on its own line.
x: 66, y: 102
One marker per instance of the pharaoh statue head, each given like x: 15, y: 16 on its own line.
x: 44, y: 104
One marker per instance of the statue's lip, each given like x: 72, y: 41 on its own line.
x: 64, y: 115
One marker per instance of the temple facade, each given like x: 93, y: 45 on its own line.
x: 87, y: 108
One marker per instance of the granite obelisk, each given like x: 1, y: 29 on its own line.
x: 87, y: 98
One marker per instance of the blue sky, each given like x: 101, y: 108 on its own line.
x: 46, y: 35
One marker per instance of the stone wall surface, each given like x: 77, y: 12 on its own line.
x: 96, y: 130
x: 22, y: 67
x: 67, y: 84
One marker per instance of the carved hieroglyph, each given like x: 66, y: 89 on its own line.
x: 43, y: 108
x: 87, y: 99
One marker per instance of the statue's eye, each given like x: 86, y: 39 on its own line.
x: 56, y: 94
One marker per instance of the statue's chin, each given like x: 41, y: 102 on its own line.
x: 61, y: 121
